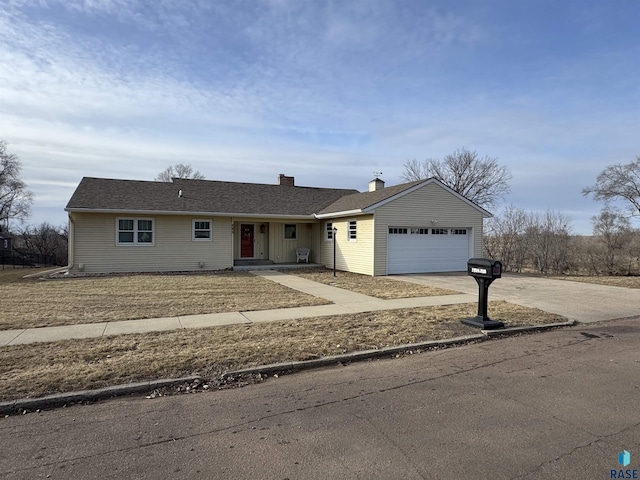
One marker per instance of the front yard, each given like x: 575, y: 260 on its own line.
x: 43, y: 368
x: 379, y: 287
x: 28, y: 303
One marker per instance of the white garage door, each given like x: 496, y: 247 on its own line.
x: 423, y: 250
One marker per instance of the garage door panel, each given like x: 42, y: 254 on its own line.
x: 422, y: 253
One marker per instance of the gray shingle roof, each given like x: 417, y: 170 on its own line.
x: 360, y: 201
x: 202, y: 196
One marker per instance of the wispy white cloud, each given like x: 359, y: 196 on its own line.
x: 329, y: 91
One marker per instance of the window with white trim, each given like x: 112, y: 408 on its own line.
x: 328, y: 231
x: 458, y: 231
x: 201, y: 231
x: 398, y: 231
x: 290, y: 231
x: 135, y: 231
x: 352, y: 232
x: 419, y: 231
x: 440, y: 231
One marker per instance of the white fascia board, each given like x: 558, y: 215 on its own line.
x: 347, y: 213
x: 202, y: 214
x: 484, y: 212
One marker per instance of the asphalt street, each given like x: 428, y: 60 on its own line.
x: 559, y: 404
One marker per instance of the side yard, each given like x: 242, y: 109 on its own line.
x: 627, y: 282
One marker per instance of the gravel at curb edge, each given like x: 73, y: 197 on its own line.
x: 62, y: 399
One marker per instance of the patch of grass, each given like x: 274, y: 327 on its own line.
x: 380, y: 287
x: 613, y: 281
x: 44, y: 368
x: 28, y: 303
x: 13, y: 275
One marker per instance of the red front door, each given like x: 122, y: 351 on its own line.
x: 246, y: 240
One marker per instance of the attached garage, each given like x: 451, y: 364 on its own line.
x: 417, y: 227
x: 428, y: 249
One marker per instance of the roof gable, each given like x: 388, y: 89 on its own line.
x: 367, y: 202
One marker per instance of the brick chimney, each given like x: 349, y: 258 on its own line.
x: 286, y: 181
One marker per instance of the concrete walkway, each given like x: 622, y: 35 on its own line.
x: 344, y: 302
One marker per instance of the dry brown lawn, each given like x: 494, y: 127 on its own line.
x: 39, y: 369
x: 380, y: 287
x: 27, y: 303
x: 627, y: 282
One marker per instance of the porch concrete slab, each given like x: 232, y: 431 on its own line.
x: 333, y: 294
x: 141, y: 326
x: 212, y: 320
x: 8, y: 336
x: 53, y: 334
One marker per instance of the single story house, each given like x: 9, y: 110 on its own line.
x: 186, y: 225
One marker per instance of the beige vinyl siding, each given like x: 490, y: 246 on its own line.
x: 351, y: 256
x: 282, y: 250
x: 418, y: 209
x: 94, y: 241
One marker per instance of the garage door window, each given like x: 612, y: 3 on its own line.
x: 419, y: 231
x: 458, y: 231
x: 440, y: 231
x: 398, y: 231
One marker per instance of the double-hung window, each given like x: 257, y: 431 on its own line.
x: 134, y: 231
x: 328, y: 231
x: 202, y: 230
x: 352, y: 233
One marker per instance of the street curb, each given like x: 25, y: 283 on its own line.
x: 533, y: 328
x: 351, y: 357
x: 381, y: 352
x: 61, y: 399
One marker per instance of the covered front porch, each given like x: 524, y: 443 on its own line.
x: 265, y: 242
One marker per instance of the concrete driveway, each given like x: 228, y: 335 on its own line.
x: 579, y: 301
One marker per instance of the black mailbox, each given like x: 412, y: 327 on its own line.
x: 485, y: 271
x: 484, y: 268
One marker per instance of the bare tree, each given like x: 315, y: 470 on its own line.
x: 481, y: 180
x: 618, y: 182
x: 614, y: 232
x: 46, y: 240
x: 505, y: 238
x: 547, y: 242
x: 179, y: 170
x: 15, y: 199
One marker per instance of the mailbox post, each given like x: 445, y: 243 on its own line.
x: 485, y: 271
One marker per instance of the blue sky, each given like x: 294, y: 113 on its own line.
x: 326, y: 91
